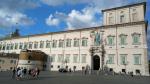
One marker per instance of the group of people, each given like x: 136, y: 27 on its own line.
x: 20, y: 73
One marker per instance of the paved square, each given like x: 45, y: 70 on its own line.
x: 46, y: 77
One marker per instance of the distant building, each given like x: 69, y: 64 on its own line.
x: 119, y: 44
x: 8, y: 61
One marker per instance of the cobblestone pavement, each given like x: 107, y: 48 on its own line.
x: 46, y: 77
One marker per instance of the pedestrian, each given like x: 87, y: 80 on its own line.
x: 14, y: 73
x: 19, y: 72
x: 25, y: 72
x: 70, y: 70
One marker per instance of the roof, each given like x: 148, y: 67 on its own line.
x: 81, y: 29
x: 126, y: 6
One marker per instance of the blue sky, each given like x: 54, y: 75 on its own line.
x: 43, y: 16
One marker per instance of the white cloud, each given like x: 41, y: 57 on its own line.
x: 8, y: 18
x: 11, y: 12
x: 51, y: 21
x: 62, y: 2
x: 85, y: 17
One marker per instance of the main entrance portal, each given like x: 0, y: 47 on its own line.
x: 96, y: 62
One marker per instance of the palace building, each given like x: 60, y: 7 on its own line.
x: 120, y: 44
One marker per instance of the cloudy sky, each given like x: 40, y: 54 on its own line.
x: 42, y: 16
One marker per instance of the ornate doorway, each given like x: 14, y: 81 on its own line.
x: 96, y: 62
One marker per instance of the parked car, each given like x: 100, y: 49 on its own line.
x: 63, y: 70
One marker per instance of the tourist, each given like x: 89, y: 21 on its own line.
x: 14, y: 73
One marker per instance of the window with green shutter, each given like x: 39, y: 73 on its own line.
x: 123, y: 39
x: 84, y: 42
x: 47, y: 44
x: 137, y: 59
x: 110, y: 40
x: 136, y: 38
x: 68, y: 43
x: 110, y: 59
x: 123, y: 59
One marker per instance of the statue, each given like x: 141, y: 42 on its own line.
x: 95, y: 35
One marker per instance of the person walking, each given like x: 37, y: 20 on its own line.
x: 14, y: 73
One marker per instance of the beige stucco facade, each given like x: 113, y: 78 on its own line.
x: 80, y: 56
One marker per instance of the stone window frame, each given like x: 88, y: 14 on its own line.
x: 125, y: 39
x: 16, y: 46
x: 20, y: 45
x: 30, y: 44
x: 67, y: 58
x: 123, y: 62
x: 110, y: 61
x: 68, y: 42
x: 138, y: 35
x: 61, y: 43
x: 122, y: 14
x: 54, y: 43
x: 75, y: 58
x: 84, y: 42
x: 110, y: 18
x: 25, y: 45
x: 36, y: 44
x: 41, y: 44
x: 76, y: 42
x: 83, y: 58
x: 113, y: 40
x: 137, y: 55
x: 48, y: 44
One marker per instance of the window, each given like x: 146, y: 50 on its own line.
x: 137, y: 59
x: 134, y: 15
x: 123, y: 59
x: 123, y: 38
x: 7, y: 46
x: 47, y: 44
x: 75, y: 58
x: 61, y: 43
x: 21, y: 46
x: 60, y: 58
x: 25, y: 45
x: 110, y: 58
x: 4, y: 46
x: 111, y: 18
x: 122, y: 18
x: 83, y: 59
x: 41, y: 44
x: 35, y: 45
x: 11, y: 61
x: 54, y: 43
x: 84, y: 42
x: 11, y: 46
x: 68, y: 43
x: 111, y: 40
x: 76, y: 42
x: 136, y: 38
x: 30, y: 45
x: 67, y: 58
x: 52, y: 58
x: 16, y: 46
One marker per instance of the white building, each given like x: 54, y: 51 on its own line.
x: 123, y: 35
